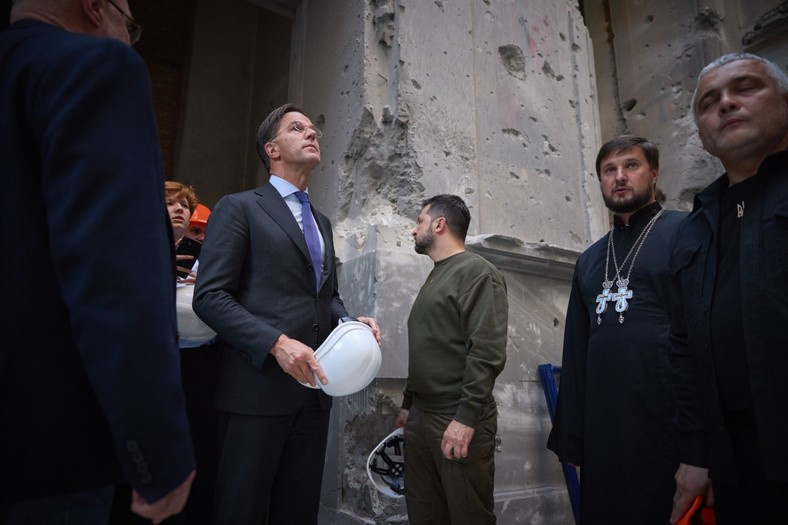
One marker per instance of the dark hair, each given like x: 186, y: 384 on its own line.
x: 453, y: 209
x: 623, y: 143
x: 268, y: 128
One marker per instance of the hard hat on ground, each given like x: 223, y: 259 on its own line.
x: 350, y: 358
x: 190, y: 327
x: 386, y: 465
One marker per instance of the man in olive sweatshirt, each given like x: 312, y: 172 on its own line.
x: 457, y: 347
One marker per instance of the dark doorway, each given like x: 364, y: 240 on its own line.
x: 217, y: 69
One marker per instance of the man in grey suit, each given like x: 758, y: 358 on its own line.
x: 268, y: 287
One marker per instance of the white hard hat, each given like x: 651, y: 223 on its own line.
x: 190, y: 327
x: 350, y: 357
x: 386, y: 465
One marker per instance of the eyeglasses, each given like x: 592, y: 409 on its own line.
x: 298, y: 127
x: 134, y: 29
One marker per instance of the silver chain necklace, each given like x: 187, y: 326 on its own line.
x: 623, y: 295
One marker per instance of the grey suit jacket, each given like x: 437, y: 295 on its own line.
x: 256, y: 282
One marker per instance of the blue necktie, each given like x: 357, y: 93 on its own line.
x: 312, y: 236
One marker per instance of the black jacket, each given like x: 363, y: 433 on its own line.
x: 763, y: 263
x: 90, y: 390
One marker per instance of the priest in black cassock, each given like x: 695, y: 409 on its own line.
x: 614, y: 418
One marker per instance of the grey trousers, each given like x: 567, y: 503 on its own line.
x: 440, y: 491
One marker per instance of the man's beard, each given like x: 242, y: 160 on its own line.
x: 630, y: 205
x: 424, y: 244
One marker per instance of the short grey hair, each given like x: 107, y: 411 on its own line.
x: 774, y: 71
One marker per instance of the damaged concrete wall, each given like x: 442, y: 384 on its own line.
x: 493, y: 101
x: 649, y: 54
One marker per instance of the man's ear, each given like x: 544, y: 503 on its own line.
x: 439, y: 224
x: 94, y: 11
x: 271, y: 150
x: 655, y: 176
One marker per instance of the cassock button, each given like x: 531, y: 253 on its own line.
x: 315, y: 328
x: 311, y: 268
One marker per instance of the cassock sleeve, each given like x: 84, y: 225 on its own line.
x: 566, y: 438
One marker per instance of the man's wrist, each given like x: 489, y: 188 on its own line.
x: 275, y: 348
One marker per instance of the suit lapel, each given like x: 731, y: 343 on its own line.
x: 272, y: 203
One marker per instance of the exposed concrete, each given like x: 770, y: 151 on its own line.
x: 529, y: 487
x: 493, y: 101
x: 359, y: 422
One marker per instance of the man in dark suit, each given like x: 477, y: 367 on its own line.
x: 89, y: 378
x: 268, y: 287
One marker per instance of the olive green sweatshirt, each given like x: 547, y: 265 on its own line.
x: 457, y: 338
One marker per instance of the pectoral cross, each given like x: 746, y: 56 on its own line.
x: 620, y: 297
x: 602, y: 300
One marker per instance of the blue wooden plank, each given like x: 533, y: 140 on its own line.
x: 547, y: 376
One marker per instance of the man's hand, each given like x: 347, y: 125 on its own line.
x: 402, y: 417
x: 298, y: 360
x: 690, y: 482
x: 372, y: 324
x: 191, y: 279
x: 455, y: 440
x: 181, y: 268
x: 162, y: 509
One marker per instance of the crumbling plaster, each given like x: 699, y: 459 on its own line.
x: 493, y: 101
x: 440, y: 109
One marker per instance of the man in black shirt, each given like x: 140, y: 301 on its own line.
x: 730, y: 260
